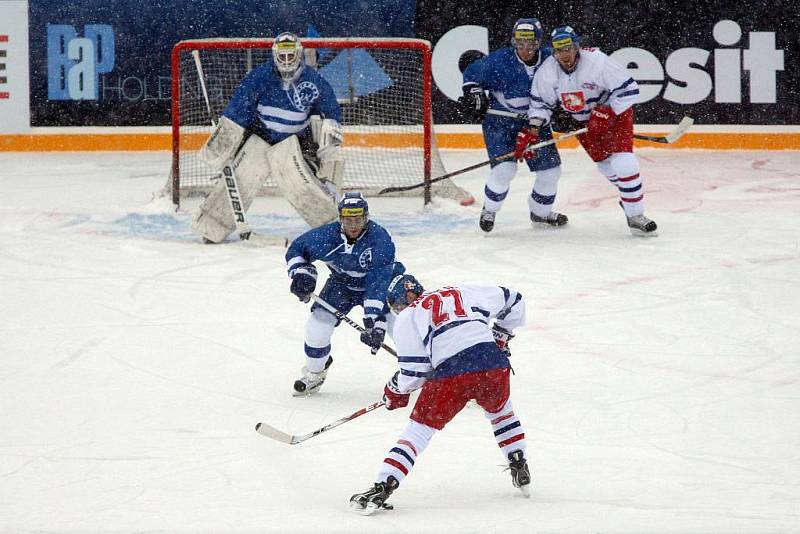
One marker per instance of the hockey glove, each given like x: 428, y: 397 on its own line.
x: 601, y: 120
x: 474, y: 102
x: 374, y: 333
x: 392, y: 396
x: 303, y: 284
x: 501, y: 338
x: 526, y: 137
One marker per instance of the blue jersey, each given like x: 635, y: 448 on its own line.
x: 507, y: 79
x: 365, y: 266
x: 262, y: 104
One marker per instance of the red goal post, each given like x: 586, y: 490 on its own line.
x: 382, y: 84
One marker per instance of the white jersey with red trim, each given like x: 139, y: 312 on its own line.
x: 597, y: 80
x: 454, y: 321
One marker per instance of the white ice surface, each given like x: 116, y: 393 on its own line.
x: 658, y: 380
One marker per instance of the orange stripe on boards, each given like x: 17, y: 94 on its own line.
x: 77, y: 142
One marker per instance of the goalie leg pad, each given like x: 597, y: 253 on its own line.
x: 299, y: 185
x: 214, y: 219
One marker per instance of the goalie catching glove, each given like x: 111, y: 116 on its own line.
x: 392, y: 396
x: 330, y: 139
x: 374, y: 333
x: 501, y: 338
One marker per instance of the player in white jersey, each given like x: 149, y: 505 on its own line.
x: 600, y: 93
x: 447, y: 346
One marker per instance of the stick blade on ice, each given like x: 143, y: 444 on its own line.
x: 274, y: 433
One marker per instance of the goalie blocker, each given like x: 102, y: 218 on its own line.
x: 312, y: 194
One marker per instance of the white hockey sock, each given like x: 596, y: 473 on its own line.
x: 543, y: 194
x: 631, y: 190
x: 507, y: 430
x: 319, y: 329
x: 400, y: 458
x: 497, y: 185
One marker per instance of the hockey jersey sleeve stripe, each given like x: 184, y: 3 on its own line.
x: 414, y: 359
x: 625, y: 84
x: 448, y: 326
x: 415, y: 374
x: 629, y: 93
x: 483, y: 312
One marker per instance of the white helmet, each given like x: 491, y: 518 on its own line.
x: 287, y: 54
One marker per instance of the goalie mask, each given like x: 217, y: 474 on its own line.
x: 403, y: 290
x: 353, y: 214
x: 287, y: 54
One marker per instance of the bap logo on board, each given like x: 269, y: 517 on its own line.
x: 74, y: 64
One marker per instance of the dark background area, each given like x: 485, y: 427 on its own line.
x: 145, y: 33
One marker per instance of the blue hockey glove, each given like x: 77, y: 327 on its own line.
x: 303, y: 284
x: 501, y: 338
x: 374, y: 333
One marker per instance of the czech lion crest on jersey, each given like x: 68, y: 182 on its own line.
x: 574, y: 101
x: 365, y: 259
x: 304, y: 95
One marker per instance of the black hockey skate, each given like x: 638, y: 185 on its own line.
x: 487, y: 220
x: 310, y: 382
x: 553, y: 219
x: 374, y: 499
x: 640, y: 225
x: 520, y: 474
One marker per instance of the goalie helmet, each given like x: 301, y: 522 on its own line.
x: 397, y: 295
x: 287, y: 54
x: 527, y: 30
x: 564, y: 37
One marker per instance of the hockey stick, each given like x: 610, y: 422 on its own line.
x: 504, y: 157
x: 677, y: 132
x: 283, y: 437
x: 342, y: 317
x: 231, y: 184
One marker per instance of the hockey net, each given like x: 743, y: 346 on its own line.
x: 382, y: 85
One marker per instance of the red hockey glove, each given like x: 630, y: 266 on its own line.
x: 525, y: 137
x: 392, y: 396
x: 601, y: 119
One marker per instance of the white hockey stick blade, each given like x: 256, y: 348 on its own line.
x: 681, y: 129
x: 274, y: 433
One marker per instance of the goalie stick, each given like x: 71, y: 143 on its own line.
x: 342, y: 317
x: 677, y: 132
x: 278, y: 435
x: 504, y: 157
x: 231, y: 184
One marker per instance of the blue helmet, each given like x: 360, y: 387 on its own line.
x: 400, y: 285
x: 353, y: 204
x: 525, y: 29
x: 564, y: 36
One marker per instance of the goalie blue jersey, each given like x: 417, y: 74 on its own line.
x: 366, y: 265
x: 506, y: 78
x: 262, y: 105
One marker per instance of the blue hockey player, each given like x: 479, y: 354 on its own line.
x: 360, y: 255
x: 506, y: 74
x: 282, y: 122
